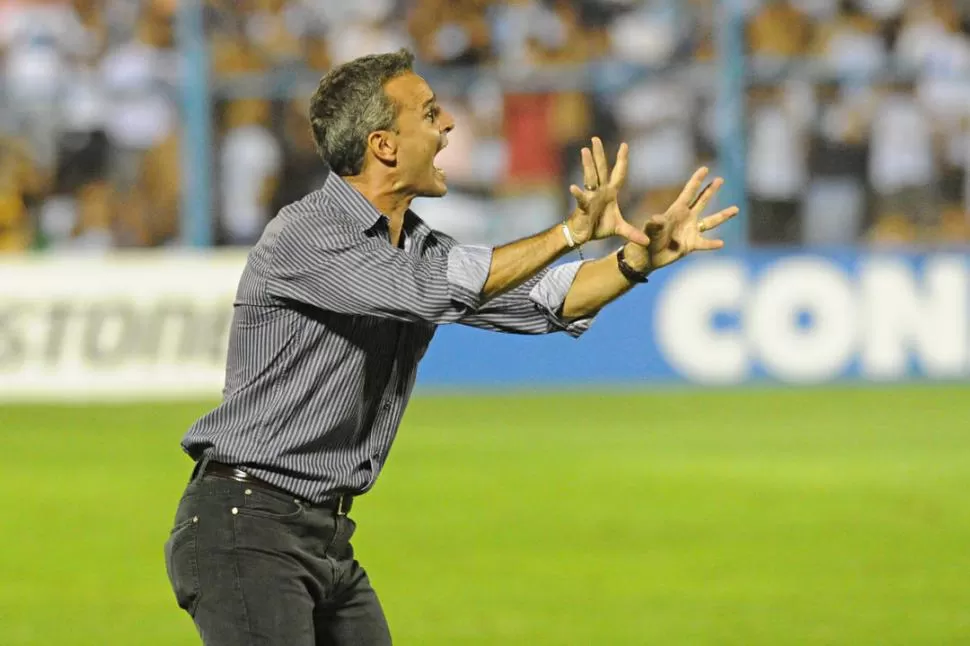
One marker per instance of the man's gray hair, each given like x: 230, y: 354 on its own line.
x: 350, y: 103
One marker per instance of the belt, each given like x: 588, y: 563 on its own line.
x: 340, y: 504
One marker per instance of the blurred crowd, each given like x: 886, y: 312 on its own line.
x: 859, y: 152
x: 857, y: 112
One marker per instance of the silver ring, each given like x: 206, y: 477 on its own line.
x: 589, y: 188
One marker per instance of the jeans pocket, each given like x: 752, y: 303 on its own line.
x: 260, y: 504
x: 181, y: 563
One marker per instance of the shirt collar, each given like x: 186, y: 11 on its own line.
x: 366, y: 214
x: 355, y: 204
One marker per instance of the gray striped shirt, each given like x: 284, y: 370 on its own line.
x: 330, y: 321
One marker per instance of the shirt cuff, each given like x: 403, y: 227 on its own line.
x: 468, y: 267
x: 549, y: 295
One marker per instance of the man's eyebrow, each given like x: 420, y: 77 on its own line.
x: 430, y: 101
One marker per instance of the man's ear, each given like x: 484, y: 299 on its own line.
x: 383, y: 145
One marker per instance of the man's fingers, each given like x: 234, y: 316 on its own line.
x: 706, y: 195
x: 590, y: 178
x: 692, y: 186
x: 697, y: 199
x: 599, y: 158
x: 703, y: 244
x: 655, y: 223
x: 719, y: 218
x: 580, y: 196
x: 618, y: 176
x: 626, y: 230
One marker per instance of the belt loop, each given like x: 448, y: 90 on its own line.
x: 344, y: 504
x: 200, y: 466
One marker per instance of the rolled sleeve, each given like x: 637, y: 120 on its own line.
x: 468, y: 268
x: 549, y: 295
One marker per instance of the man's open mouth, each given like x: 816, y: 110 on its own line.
x: 437, y: 169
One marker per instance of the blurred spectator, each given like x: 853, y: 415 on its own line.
x: 250, y: 162
x: 777, y: 162
x: 81, y: 183
x: 450, y: 32
x: 140, y: 110
x: 364, y: 27
x: 649, y: 34
x: 836, y: 203
x: 300, y: 169
x: 19, y: 184
x: 903, y: 165
x: 39, y: 40
x: 779, y: 30
x: 276, y: 28
x: 933, y: 41
x: 851, y: 43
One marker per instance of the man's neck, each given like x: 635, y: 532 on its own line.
x: 381, y: 193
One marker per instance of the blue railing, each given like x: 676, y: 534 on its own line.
x: 196, y: 147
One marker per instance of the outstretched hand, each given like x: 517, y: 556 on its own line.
x: 677, y: 232
x: 597, y: 215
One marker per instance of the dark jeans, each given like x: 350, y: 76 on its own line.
x: 257, y: 568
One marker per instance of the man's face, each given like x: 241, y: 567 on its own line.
x: 422, y: 132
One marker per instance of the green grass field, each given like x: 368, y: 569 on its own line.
x: 836, y: 517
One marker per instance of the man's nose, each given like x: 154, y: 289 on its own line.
x: 447, y: 122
